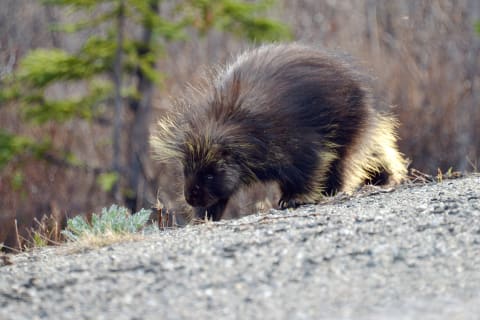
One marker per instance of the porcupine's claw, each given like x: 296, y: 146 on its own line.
x: 286, y: 204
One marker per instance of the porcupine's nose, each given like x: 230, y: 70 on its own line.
x: 193, y: 196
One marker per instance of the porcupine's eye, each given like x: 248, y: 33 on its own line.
x: 208, y: 174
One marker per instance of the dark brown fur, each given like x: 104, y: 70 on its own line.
x: 285, y: 113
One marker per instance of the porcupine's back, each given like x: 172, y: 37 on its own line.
x: 313, y: 108
x: 287, y: 113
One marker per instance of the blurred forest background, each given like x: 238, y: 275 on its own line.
x: 83, y: 81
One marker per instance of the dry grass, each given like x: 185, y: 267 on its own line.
x: 94, y: 241
x: 46, y: 231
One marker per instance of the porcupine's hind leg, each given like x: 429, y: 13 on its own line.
x: 393, y: 167
x: 375, y: 159
x: 389, y: 166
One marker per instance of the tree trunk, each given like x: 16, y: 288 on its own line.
x: 139, y: 134
x: 117, y: 79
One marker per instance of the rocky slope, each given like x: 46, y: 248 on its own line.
x: 409, y: 254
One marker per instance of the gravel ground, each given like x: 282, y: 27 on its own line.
x: 409, y: 254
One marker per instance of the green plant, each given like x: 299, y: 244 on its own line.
x: 112, y: 221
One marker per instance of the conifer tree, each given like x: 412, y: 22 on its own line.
x: 104, y: 62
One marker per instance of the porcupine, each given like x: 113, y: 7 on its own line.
x: 286, y: 113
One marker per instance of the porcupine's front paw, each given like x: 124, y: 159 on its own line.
x: 214, y: 212
x: 284, y: 203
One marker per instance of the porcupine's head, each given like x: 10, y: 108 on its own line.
x: 204, y: 149
x: 211, y: 172
x: 212, y: 136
